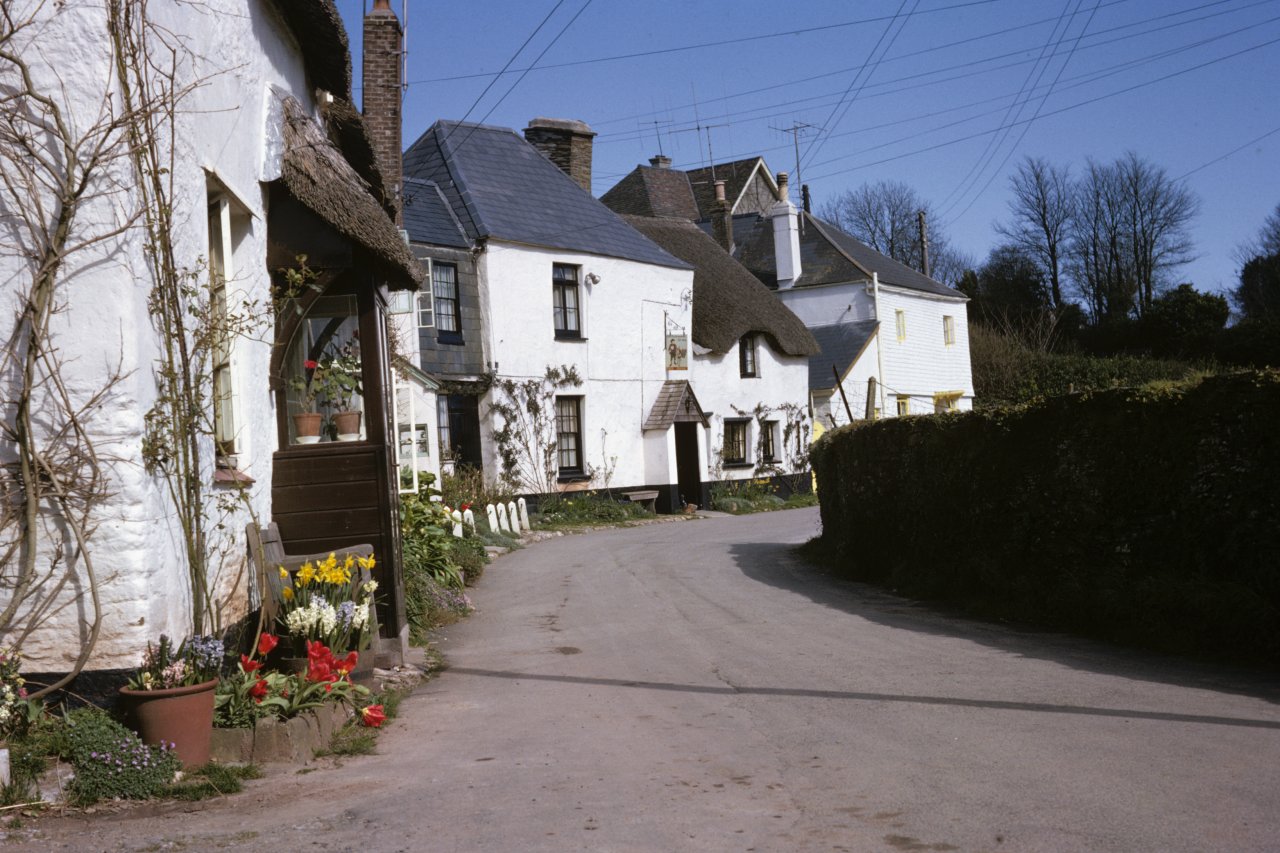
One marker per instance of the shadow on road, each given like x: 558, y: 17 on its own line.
x: 991, y: 704
x: 779, y: 565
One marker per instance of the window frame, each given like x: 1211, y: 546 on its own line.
x: 903, y: 404
x: 945, y: 402
x: 948, y: 330
x: 748, y: 356
x: 224, y: 396
x: 577, y: 468
x: 446, y: 307
x: 900, y: 323
x: 769, y: 441
x: 561, y: 311
x: 733, y: 425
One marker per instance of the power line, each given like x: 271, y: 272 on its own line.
x: 1059, y: 111
x: 1233, y: 151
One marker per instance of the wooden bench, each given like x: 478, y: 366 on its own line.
x: 265, y: 542
x: 647, y: 497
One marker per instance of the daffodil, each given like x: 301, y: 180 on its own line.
x: 287, y: 593
x: 306, y: 574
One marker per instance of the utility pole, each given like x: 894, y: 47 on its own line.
x: 924, y: 245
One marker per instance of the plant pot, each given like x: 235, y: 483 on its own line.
x: 182, y: 716
x: 306, y: 426
x: 347, y: 425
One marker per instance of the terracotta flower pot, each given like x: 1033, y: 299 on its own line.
x: 182, y: 716
x: 347, y: 425
x: 306, y: 425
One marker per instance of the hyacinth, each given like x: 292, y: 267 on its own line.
x: 319, y: 616
x: 206, y: 652
x: 346, y: 614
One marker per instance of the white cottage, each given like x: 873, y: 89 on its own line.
x: 148, y: 282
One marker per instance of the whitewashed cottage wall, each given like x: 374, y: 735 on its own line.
x: 922, y: 364
x: 243, y: 49
x: 621, y: 356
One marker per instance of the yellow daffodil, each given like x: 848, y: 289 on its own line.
x: 306, y: 574
x: 284, y: 573
x: 287, y: 593
x: 366, y: 562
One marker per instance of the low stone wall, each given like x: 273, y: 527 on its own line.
x: 293, y: 741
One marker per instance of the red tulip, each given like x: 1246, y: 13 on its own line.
x: 266, y: 643
x: 372, y: 716
x: 248, y: 664
x: 309, y: 364
x: 259, y: 690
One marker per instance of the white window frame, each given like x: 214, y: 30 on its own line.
x: 900, y: 321
x: 225, y: 392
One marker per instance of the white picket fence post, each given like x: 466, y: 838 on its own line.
x: 503, y: 524
x: 524, y: 514
x: 457, y: 524
x: 515, y: 518
x: 469, y: 518
x: 492, y: 515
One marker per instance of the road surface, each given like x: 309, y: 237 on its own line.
x: 694, y: 686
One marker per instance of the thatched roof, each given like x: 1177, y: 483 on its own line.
x: 349, y: 132
x: 728, y: 301
x: 317, y: 175
x: 325, y: 49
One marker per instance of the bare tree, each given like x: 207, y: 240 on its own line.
x: 885, y: 216
x: 1128, y: 234
x: 1042, y: 207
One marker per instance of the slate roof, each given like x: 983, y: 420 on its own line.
x: 841, y: 345
x: 653, y: 191
x: 827, y: 256
x: 428, y: 218
x: 676, y: 402
x: 735, y: 175
x: 501, y: 187
x: 728, y: 301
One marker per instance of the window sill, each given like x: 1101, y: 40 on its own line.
x: 748, y: 376
x: 231, y: 477
x: 572, y: 478
x: 738, y: 465
x: 452, y: 338
x: 569, y: 339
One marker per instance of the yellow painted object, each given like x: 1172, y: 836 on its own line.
x: 818, y: 430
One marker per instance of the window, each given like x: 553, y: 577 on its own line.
x: 904, y: 405
x: 768, y: 441
x: 901, y: 317
x: 569, y: 434
x: 222, y: 270
x: 747, y: 355
x: 425, y: 306
x: 947, y: 401
x: 948, y: 330
x: 442, y: 427
x: 444, y: 284
x: 564, y: 295
x: 735, y: 442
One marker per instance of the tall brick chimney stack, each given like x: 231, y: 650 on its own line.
x: 565, y: 142
x: 383, y: 43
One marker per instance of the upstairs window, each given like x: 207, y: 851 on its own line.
x: 564, y: 296
x: 747, y: 355
x: 569, y: 435
x: 227, y: 225
x: 948, y: 330
x: 900, y: 317
x: 904, y: 405
x: 444, y: 284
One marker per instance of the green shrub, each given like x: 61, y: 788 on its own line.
x: 588, y: 508
x: 111, y: 762
x: 1147, y: 515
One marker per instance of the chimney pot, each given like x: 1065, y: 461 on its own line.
x: 660, y: 161
x: 720, y: 191
x: 783, y: 191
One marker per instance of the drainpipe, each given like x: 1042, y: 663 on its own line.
x: 875, y: 296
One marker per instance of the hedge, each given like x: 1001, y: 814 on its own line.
x: 1149, y: 516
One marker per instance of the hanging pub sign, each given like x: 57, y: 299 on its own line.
x: 677, y: 347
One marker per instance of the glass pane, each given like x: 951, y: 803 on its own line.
x: 323, y: 374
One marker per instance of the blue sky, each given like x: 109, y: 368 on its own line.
x: 944, y: 95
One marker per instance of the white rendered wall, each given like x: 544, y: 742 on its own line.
x: 828, y: 405
x: 828, y: 304
x: 621, y: 357
x: 725, y: 393
x: 137, y: 548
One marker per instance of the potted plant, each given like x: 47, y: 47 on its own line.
x: 170, y: 699
x: 306, y: 424
x: 327, y: 602
x: 338, y: 378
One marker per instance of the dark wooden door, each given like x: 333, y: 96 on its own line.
x: 688, y: 464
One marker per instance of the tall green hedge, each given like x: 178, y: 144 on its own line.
x: 1151, y: 516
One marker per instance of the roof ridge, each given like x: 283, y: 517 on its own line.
x: 448, y: 160
x: 820, y: 225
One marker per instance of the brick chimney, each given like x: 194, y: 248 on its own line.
x: 660, y: 161
x: 565, y: 142
x: 722, y: 219
x: 383, y: 43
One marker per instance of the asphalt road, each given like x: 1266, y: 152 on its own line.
x: 693, y: 686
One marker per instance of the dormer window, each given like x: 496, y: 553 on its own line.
x: 747, y: 355
x: 565, y: 301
